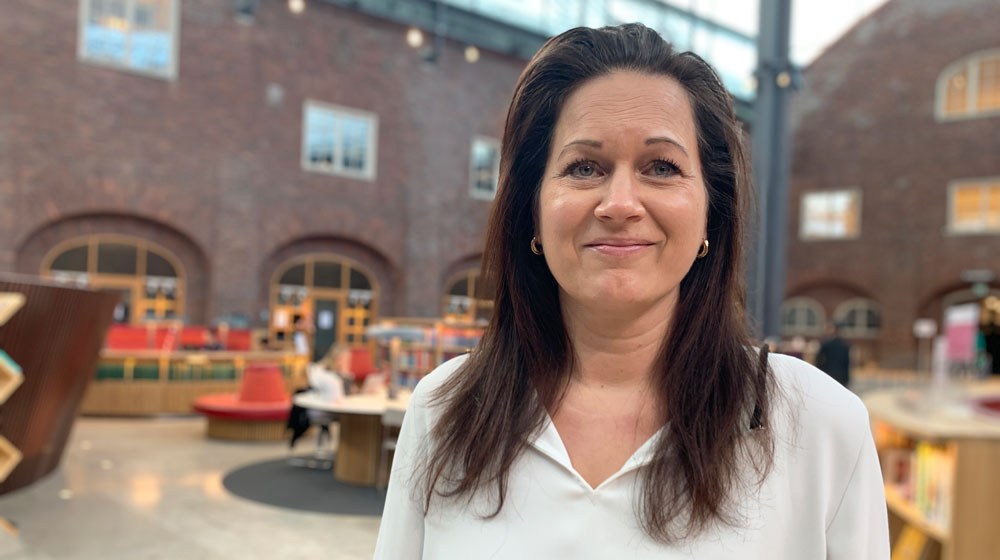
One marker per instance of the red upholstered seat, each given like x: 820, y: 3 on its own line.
x: 237, y: 340
x: 262, y: 383
x: 194, y: 337
x: 362, y: 364
x: 262, y: 396
x: 126, y: 337
x: 227, y: 406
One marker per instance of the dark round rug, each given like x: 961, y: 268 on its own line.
x: 288, y: 483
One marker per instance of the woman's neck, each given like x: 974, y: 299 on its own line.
x: 616, y: 349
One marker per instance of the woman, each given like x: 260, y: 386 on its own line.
x: 616, y: 407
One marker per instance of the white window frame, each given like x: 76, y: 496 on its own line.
x: 806, y: 303
x: 861, y: 305
x: 170, y: 73
x: 473, y: 191
x: 803, y: 236
x: 971, y: 62
x: 371, y: 147
x: 953, y: 187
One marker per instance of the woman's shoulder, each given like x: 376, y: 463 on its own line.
x: 817, y: 406
x: 427, y: 387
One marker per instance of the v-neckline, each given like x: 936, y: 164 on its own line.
x: 550, y: 443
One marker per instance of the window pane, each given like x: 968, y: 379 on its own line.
x: 788, y: 316
x: 73, y: 260
x: 327, y: 274
x: 106, y: 30
x: 295, y: 276
x: 965, y: 207
x: 834, y: 214
x: 851, y: 318
x: 811, y: 320
x: 355, y: 142
x: 152, y: 41
x: 873, y: 320
x: 458, y: 305
x: 359, y: 281
x: 320, y: 131
x: 159, y: 266
x: 956, y: 93
x: 117, y: 258
x: 989, y: 84
x: 460, y: 288
x: 485, y: 157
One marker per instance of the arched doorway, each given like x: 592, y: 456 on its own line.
x: 322, y: 299
x: 149, y: 278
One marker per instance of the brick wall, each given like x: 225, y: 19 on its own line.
x: 866, y: 119
x: 210, y: 168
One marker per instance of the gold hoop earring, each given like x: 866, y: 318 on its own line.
x: 704, y: 249
x: 535, y: 248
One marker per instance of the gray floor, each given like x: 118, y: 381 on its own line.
x: 152, y: 488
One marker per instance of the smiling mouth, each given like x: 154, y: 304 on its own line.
x: 619, y: 248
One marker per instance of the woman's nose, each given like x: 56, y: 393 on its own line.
x: 620, y: 201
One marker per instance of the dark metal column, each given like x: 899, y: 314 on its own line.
x: 775, y: 75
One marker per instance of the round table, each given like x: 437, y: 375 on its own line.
x: 360, y: 441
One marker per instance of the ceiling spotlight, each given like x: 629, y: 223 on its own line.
x: 414, y: 37
x: 784, y: 80
x: 296, y: 6
x: 471, y: 53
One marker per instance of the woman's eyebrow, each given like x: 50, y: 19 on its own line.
x: 582, y: 142
x: 598, y: 144
x: 656, y: 139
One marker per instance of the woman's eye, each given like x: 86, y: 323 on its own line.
x: 584, y: 169
x: 664, y: 169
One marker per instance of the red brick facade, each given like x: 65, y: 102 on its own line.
x: 866, y: 119
x: 208, y: 168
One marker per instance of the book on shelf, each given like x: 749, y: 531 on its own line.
x: 923, y: 474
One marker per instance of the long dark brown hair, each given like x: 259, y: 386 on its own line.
x: 709, y: 381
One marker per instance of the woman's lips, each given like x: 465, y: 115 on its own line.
x: 619, y: 249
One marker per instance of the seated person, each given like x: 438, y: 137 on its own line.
x: 330, y: 380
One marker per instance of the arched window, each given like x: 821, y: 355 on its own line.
x: 462, y: 302
x: 802, y: 316
x: 970, y: 86
x: 858, y: 318
x: 149, y: 278
x: 329, y: 298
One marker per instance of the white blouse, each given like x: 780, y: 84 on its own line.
x: 824, y: 498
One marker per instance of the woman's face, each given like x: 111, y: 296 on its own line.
x: 623, y: 207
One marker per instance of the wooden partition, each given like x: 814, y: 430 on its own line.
x: 148, y: 382
x: 55, y: 338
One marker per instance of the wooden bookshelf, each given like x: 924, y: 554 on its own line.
x: 909, y: 513
x: 441, y: 341
x: 968, y: 528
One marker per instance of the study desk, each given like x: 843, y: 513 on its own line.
x: 360, y: 442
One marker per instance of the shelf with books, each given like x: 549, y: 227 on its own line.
x: 939, y: 467
x: 912, y: 515
x: 425, y: 344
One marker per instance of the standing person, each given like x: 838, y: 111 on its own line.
x: 616, y: 406
x: 834, y: 357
